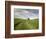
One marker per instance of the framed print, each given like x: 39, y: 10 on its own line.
x: 24, y: 19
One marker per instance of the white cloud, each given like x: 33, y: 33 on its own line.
x: 21, y: 13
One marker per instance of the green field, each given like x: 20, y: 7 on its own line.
x: 25, y: 24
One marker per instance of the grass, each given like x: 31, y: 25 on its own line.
x: 25, y: 24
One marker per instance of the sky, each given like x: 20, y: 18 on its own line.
x: 26, y: 13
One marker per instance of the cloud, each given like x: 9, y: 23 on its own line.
x: 26, y: 13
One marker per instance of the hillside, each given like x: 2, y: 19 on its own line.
x: 25, y: 24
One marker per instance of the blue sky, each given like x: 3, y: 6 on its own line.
x: 26, y: 13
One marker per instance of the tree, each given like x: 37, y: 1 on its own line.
x: 28, y: 18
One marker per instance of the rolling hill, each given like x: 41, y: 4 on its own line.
x: 25, y: 24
